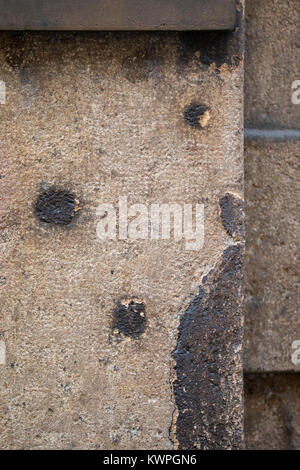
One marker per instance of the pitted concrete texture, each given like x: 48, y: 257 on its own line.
x: 272, y: 322
x: 89, y: 326
x: 272, y: 63
x: 272, y: 412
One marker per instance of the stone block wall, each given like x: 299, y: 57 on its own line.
x: 272, y: 151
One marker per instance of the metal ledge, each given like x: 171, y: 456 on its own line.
x: 112, y: 15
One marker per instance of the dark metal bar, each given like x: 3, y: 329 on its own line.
x: 112, y: 15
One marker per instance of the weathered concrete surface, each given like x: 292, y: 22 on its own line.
x: 272, y: 412
x: 99, y: 116
x: 272, y: 321
x: 272, y: 63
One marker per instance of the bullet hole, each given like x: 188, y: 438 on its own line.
x: 130, y: 317
x: 196, y: 116
x: 56, y: 207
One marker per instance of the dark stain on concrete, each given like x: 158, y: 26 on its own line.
x: 213, y: 47
x: 130, y: 317
x: 13, y: 45
x: 144, y: 63
x: 24, y: 76
x: 232, y: 215
x: 208, y: 384
x: 192, y: 115
x: 56, y: 207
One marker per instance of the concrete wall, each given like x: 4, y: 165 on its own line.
x: 272, y: 63
x: 272, y: 224
x: 272, y: 411
x: 115, y: 344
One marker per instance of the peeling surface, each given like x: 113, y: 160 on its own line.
x: 208, y: 386
x: 232, y: 215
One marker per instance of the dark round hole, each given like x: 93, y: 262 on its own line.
x: 56, y: 207
x: 130, y: 318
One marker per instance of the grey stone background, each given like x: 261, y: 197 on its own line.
x: 272, y: 323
